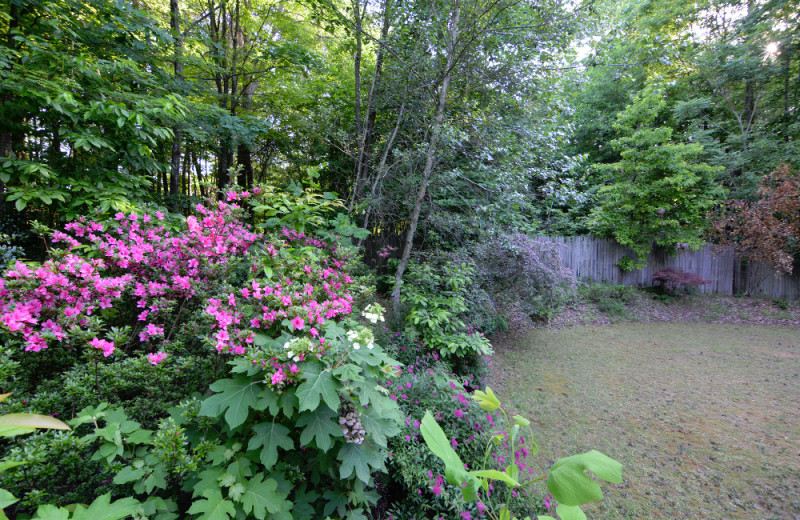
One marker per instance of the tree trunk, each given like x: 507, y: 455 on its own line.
x: 357, y: 100
x: 369, y: 128
x: 177, y: 139
x: 429, y: 158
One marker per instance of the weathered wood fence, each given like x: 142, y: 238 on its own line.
x: 595, y: 259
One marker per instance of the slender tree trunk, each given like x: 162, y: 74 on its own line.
x: 369, y: 127
x: 10, y: 126
x: 357, y: 100
x: 175, y: 163
x: 429, y: 158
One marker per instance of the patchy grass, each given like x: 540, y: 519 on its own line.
x: 704, y: 417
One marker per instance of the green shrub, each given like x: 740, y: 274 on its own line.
x: 435, y: 295
x: 613, y: 300
x: 416, y: 478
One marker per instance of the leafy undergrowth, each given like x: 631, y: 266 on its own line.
x: 703, y: 417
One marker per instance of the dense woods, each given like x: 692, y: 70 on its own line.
x: 440, y: 116
x: 172, y: 170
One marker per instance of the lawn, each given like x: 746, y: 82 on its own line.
x: 704, y: 417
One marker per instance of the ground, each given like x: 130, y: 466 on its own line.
x: 697, y: 399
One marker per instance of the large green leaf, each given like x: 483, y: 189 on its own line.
x: 354, y: 458
x: 318, y: 383
x: 51, y: 512
x: 569, y: 484
x: 214, y: 507
x: 380, y: 426
x: 570, y: 512
x: 6, y: 499
x: 104, y: 509
x: 261, y: 497
x: 437, y: 441
x: 13, y: 431
x: 270, y: 436
x: 495, y: 475
x: 236, y: 396
x: 320, y: 426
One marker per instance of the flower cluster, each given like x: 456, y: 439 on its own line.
x: 305, y: 291
x: 374, y: 313
x: 133, y: 256
x: 52, y: 302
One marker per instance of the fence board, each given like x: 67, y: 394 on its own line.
x: 596, y: 259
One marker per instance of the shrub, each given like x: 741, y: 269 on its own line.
x: 435, y: 294
x: 523, y: 275
x: 612, y: 300
x: 416, y: 480
x: 671, y: 281
x: 140, y: 313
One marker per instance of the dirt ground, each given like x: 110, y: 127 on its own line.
x: 699, y: 400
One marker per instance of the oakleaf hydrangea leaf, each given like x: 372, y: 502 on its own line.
x: 262, y: 497
x: 318, y: 383
x: 270, y: 436
x: 214, y: 507
x: 319, y: 426
x: 235, y: 397
x: 103, y: 509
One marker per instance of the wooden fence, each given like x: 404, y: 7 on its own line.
x: 595, y: 259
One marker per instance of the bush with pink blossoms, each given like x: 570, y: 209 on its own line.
x: 173, y: 310
x: 416, y: 476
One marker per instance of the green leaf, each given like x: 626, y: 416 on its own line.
x: 128, y: 474
x: 262, y: 497
x: 51, y: 512
x: 437, y: 442
x: 495, y: 475
x: 236, y: 396
x: 32, y: 420
x: 8, y: 464
x: 318, y: 383
x: 570, y: 512
x: 520, y: 421
x: 380, y: 426
x: 354, y: 461
x: 214, y: 507
x: 319, y: 426
x: 6, y: 499
x: 271, y: 436
x: 103, y: 509
x: 13, y: 431
x: 569, y: 484
x: 487, y: 401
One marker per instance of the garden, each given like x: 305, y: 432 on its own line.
x: 238, y: 363
x: 290, y: 259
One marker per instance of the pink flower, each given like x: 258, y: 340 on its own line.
x: 157, y: 358
x: 298, y: 323
x: 106, y: 346
x: 458, y: 413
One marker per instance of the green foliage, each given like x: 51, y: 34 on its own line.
x: 660, y: 191
x: 612, y: 300
x: 436, y: 299
x: 566, y: 481
x: 235, y: 452
x: 97, y: 108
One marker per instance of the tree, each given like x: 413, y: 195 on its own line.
x: 659, y: 191
x: 767, y: 230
